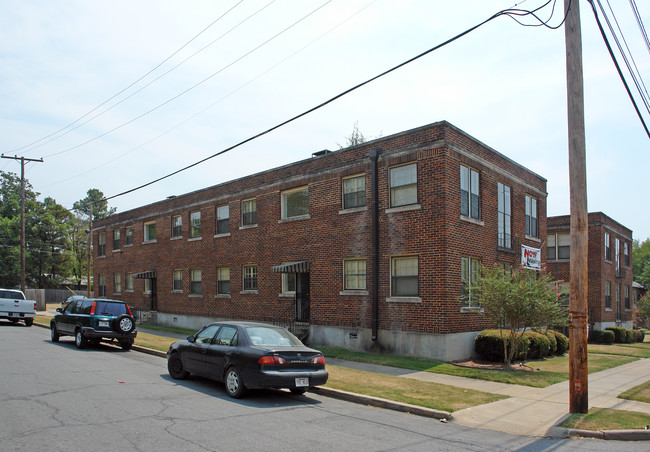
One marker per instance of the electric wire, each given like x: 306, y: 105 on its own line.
x: 506, y: 13
x: 191, y: 87
x: 639, y: 22
x: 130, y: 85
x: 618, y: 68
x: 185, y: 121
x: 154, y: 80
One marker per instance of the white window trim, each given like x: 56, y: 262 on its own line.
x: 283, y: 195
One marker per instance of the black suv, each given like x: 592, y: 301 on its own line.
x: 93, y: 320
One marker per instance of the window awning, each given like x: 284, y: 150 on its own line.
x: 292, y: 267
x: 150, y: 274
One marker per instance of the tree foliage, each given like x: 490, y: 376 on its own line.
x: 642, y: 311
x: 641, y: 262
x: 99, y: 204
x: 517, y: 300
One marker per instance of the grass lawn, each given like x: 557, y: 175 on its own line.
x: 599, y: 419
x: 545, y: 372
x: 638, y: 349
x: 639, y: 393
x: 430, y: 395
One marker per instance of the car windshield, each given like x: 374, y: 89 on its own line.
x: 109, y: 308
x: 274, y: 337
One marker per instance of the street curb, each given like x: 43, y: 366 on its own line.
x: 617, y: 435
x: 382, y: 403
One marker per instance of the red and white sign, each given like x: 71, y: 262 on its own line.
x: 531, y: 257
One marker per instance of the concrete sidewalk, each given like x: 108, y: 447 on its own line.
x: 531, y: 411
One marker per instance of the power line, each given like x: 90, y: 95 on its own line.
x: 639, y: 22
x: 618, y: 68
x: 191, y: 87
x: 121, y: 91
x: 185, y: 121
x: 506, y: 12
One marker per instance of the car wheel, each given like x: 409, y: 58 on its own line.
x: 297, y: 391
x: 124, y: 323
x: 29, y: 322
x: 14, y: 321
x: 234, y: 383
x: 126, y: 345
x: 175, y: 368
x: 79, y: 340
x: 54, y: 334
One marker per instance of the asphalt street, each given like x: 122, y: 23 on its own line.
x: 55, y: 397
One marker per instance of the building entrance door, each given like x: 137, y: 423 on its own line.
x: 302, y: 297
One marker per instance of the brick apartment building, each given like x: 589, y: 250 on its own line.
x: 366, y: 247
x: 610, y: 287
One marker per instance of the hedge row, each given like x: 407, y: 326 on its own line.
x: 616, y: 334
x: 534, y: 344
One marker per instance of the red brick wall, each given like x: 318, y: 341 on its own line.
x: 599, y: 270
x: 434, y: 232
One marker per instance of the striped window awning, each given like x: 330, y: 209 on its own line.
x: 151, y: 274
x: 292, y: 267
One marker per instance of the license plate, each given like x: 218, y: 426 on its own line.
x: 103, y: 323
x: 302, y: 382
x: 14, y: 314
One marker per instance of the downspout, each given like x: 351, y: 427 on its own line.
x: 374, y: 208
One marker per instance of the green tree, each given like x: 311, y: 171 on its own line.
x: 99, y: 204
x: 641, y: 261
x: 642, y: 311
x: 515, y: 301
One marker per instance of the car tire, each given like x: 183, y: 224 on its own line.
x: 175, y: 368
x: 124, y: 324
x: 297, y: 391
x: 14, y: 321
x: 234, y: 383
x: 54, y: 334
x: 126, y: 345
x: 29, y: 322
x: 80, y: 340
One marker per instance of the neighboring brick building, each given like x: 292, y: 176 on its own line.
x: 300, y: 242
x: 610, y: 292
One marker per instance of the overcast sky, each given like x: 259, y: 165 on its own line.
x: 263, y: 62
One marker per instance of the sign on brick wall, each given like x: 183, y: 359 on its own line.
x: 531, y: 257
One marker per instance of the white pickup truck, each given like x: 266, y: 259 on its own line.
x: 14, y: 307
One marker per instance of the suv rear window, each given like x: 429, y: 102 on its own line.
x: 109, y: 308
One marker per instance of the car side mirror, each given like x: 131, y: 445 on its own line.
x: 59, y: 310
x: 191, y: 339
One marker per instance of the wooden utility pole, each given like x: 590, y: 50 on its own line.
x: 90, y: 246
x: 578, y: 385
x: 22, y: 214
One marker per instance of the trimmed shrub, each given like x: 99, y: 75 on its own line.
x: 551, y: 337
x: 539, y: 345
x: 630, y: 336
x: 562, y: 342
x: 619, y: 333
x: 489, y: 345
x: 607, y: 337
x: 640, y: 335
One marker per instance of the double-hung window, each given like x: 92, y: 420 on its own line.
x: 295, y: 202
x: 177, y: 280
x: 504, y: 216
x: 627, y: 298
x: 101, y: 244
x: 129, y: 282
x: 617, y: 256
x: 531, y: 216
x: 223, y: 219
x: 354, y: 274
x: 250, y: 277
x: 403, y: 185
x: 223, y: 280
x: 288, y: 283
x: 150, y: 231
x: 128, y: 239
x: 608, y: 248
x: 117, y: 283
x: 404, y: 276
x: 354, y: 192
x: 626, y: 254
x: 177, y: 226
x: 558, y: 246
x: 249, y: 212
x: 195, y: 281
x: 102, y: 286
x: 470, y: 199
x: 195, y: 224
x: 608, y: 295
x: 470, y: 269
x: 116, y: 239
